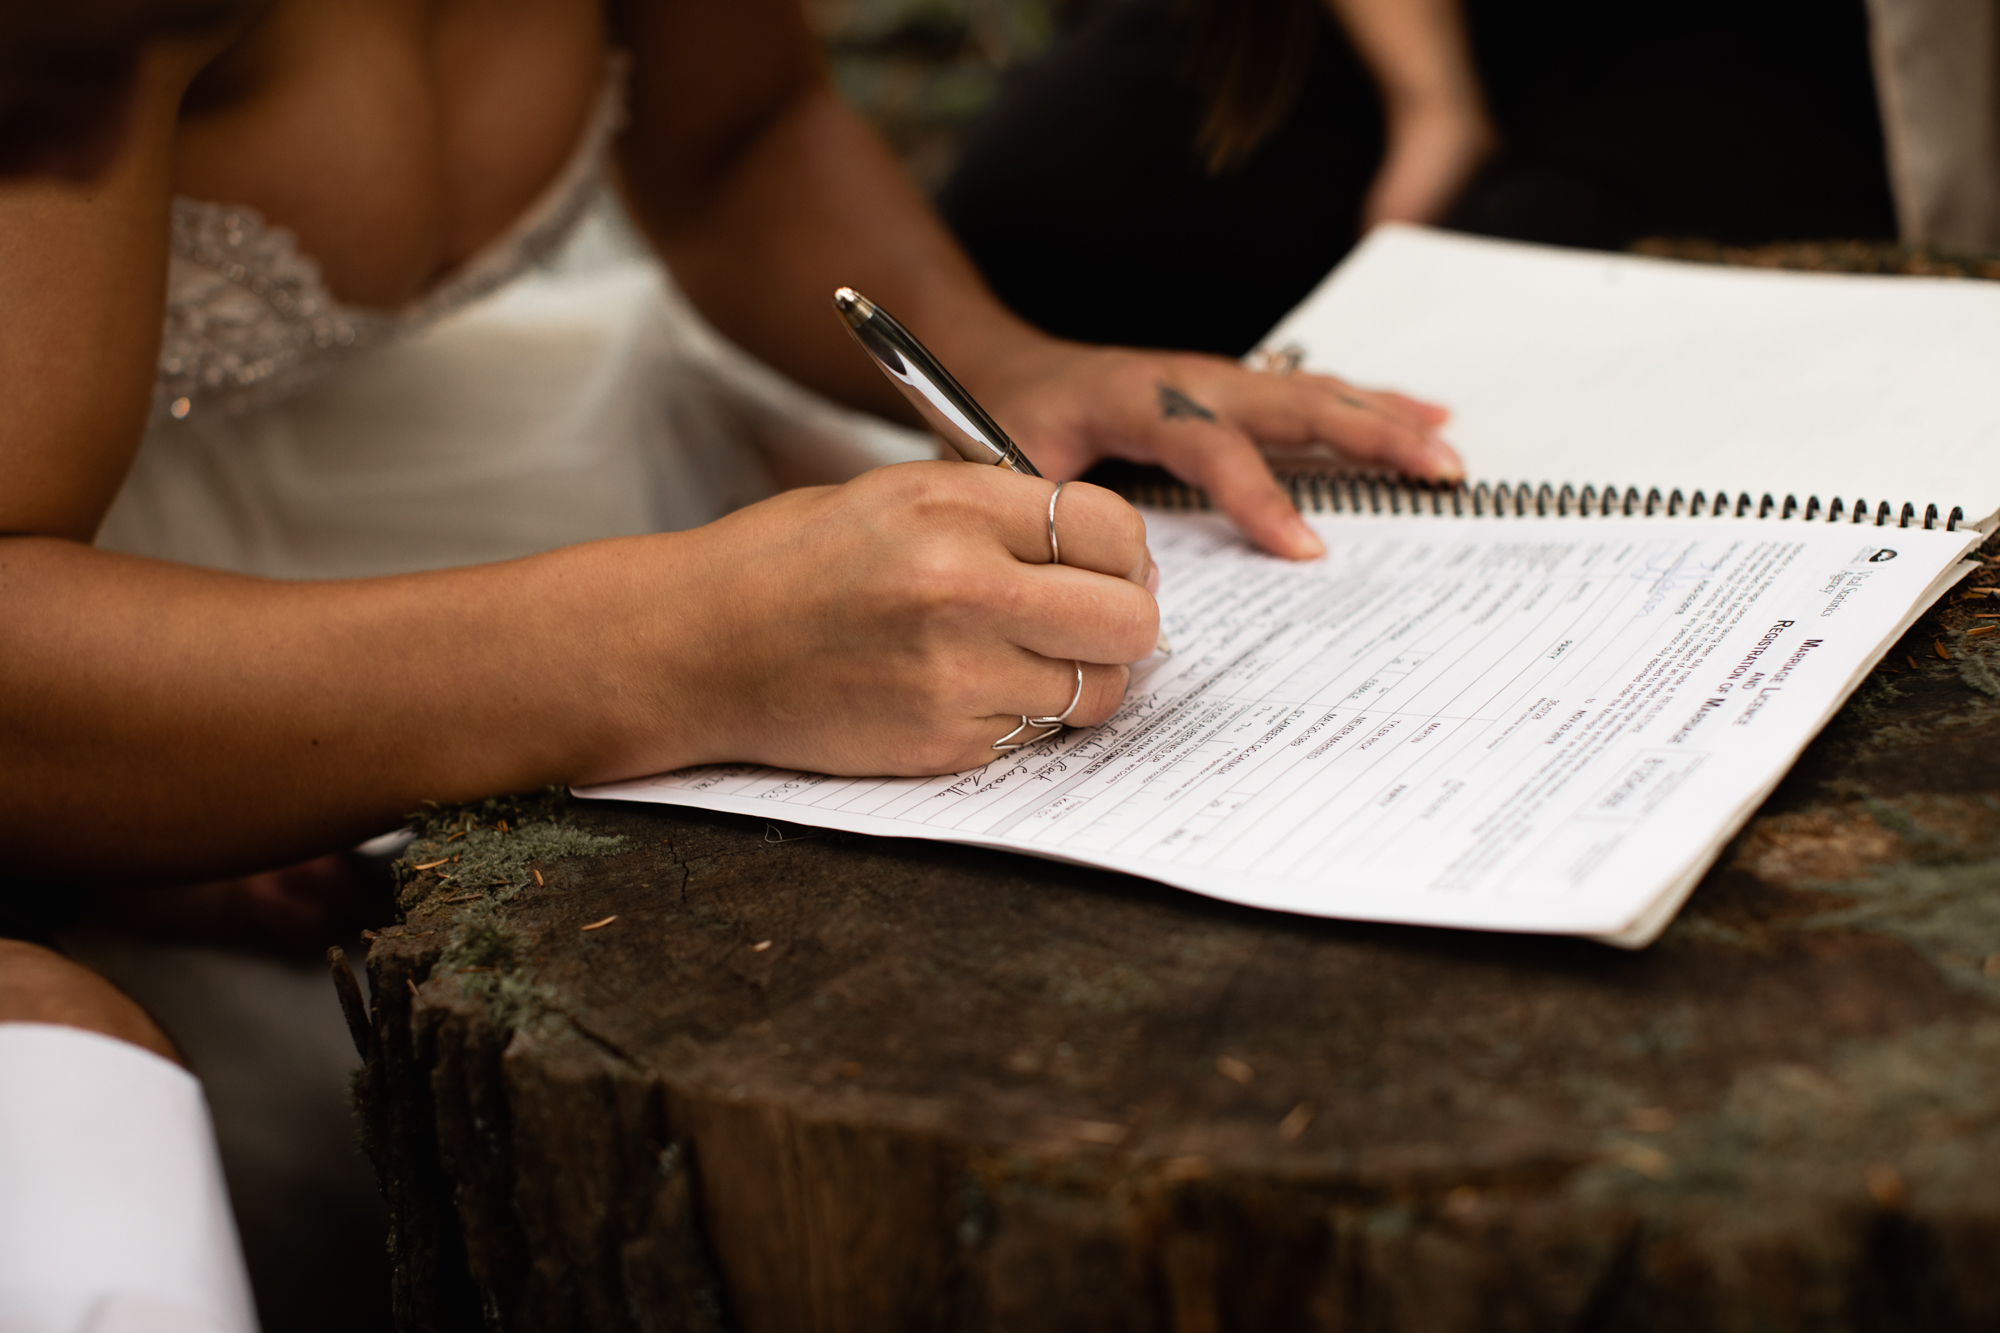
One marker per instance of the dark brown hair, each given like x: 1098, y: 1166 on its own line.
x: 1248, y: 60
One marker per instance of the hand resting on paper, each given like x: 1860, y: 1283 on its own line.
x: 1207, y: 420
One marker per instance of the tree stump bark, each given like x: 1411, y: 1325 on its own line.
x: 807, y: 1080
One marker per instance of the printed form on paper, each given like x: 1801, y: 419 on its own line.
x: 1519, y: 724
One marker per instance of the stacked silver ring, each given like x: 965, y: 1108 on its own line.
x: 1052, y: 724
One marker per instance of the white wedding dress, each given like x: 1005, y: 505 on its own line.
x: 556, y: 389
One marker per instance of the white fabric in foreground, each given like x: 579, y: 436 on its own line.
x: 113, y: 1213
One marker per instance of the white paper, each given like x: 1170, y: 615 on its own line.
x: 1515, y: 724
x: 1566, y: 366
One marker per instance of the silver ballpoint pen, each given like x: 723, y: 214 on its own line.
x: 942, y: 401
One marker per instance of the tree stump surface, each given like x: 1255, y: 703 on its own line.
x: 811, y: 1080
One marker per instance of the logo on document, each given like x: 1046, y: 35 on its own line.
x: 1884, y: 554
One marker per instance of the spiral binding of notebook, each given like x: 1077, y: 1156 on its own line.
x: 1322, y: 492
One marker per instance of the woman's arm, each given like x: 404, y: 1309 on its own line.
x: 162, y: 722
x: 1439, y: 133
x: 765, y: 193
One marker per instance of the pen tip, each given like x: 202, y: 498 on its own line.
x: 853, y: 306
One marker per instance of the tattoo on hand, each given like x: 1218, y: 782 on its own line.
x: 1177, y: 406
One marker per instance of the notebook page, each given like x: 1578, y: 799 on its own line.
x: 1569, y: 366
x: 1542, y: 725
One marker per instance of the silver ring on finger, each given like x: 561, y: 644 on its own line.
x: 1044, y: 727
x: 1280, y: 361
x: 1055, y: 547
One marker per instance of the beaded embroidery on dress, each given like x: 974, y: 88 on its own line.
x: 249, y: 318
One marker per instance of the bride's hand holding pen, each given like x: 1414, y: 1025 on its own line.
x: 901, y: 623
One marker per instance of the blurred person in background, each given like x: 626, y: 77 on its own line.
x: 1182, y: 172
